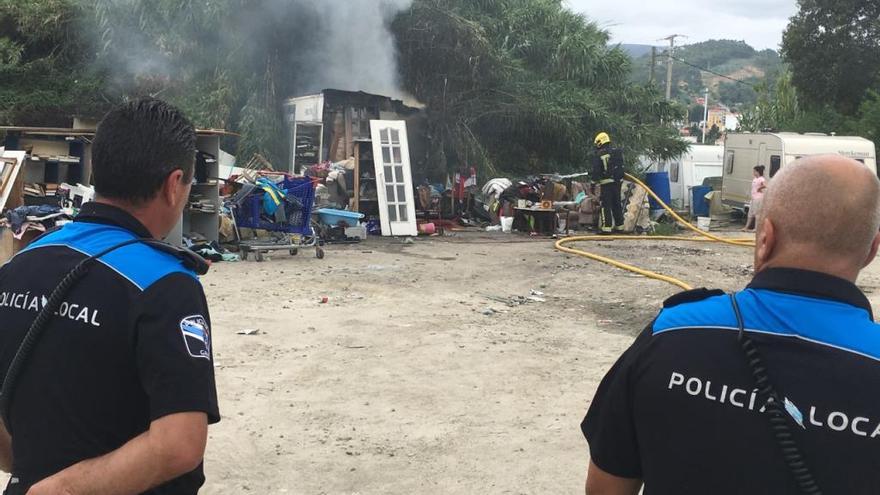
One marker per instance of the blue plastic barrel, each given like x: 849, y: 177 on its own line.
x: 699, y: 204
x: 659, y: 183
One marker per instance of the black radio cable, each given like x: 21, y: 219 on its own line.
x: 779, y: 421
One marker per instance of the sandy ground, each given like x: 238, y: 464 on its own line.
x: 410, y: 379
x: 414, y: 377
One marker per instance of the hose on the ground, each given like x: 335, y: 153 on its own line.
x: 705, y: 237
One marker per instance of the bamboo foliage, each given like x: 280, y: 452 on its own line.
x: 523, y: 85
x: 509, y: 85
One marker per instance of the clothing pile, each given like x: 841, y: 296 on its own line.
x: 211, y: 251
x: 35, y: 218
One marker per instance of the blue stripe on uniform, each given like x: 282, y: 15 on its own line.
x: 140, y: 264
x: 821, y: 321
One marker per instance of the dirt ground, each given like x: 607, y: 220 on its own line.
x: 429, y: 370
x: 416, y: 376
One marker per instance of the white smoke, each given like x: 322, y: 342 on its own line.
x: 338, y: 44
x: 356, y: 48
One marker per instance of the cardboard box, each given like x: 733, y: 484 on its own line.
x: 8, y: 245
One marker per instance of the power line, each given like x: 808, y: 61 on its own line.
x: 739, y: 81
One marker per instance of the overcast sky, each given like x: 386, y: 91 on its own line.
x: 759, y: 22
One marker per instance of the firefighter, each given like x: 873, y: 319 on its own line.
x: 608, y: 172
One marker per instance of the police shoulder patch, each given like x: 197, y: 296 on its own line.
x: 196, y: 336
x: 691, y: 296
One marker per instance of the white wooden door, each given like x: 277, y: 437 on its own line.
x: 397, y: 207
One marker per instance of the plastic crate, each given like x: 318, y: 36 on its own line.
x: 333, y: 217
x: 249, y: 213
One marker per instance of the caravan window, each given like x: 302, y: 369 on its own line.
x: 673, y: 172
x: 775, y: 163
x: 730, y: 162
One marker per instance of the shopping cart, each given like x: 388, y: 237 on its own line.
x: 292, y: 233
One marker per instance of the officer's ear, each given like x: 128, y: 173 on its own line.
x: 765, y: 243
x: 175, y: 188
x: 875, y: 245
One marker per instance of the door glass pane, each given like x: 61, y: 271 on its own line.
x: 398, y: 177
x: 395, y: 136
x: 392, y: 213
x: 401, y: 193
x: 389, y: 194
x: 386, y: 154
x: 384, y: 134
x: 397, y: 157
x: 389, y: 174
x: 404, y: 216
x: 775, y: 163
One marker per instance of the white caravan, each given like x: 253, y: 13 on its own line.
x: 744, y: 151
x: 700, y: 162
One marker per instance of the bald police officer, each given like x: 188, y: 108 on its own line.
x: 682, y: 411
x: 117, y: 395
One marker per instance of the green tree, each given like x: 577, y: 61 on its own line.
x: 696, y: 113
x: 738, y: 95
x: 777, y: 109
x: 518, y: 85
x: 833, y: 49
x: 713, y: 134
x: 45, y: 76
x: 869, y: 117
x: 524, y: 85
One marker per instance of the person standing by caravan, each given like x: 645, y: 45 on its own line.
x: 608, y: 171
x: 759, y: 184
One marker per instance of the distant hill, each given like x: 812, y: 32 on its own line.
x: 734, y: 59
x: 636, y: 51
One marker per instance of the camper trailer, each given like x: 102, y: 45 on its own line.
x: 744, y: 151
x: 699, y: 163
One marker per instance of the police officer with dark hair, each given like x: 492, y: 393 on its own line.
x: 608, y: 172
x: 770, y: 390
x: 116, y: 395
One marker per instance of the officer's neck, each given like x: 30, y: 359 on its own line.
x: 147, y: 213
x: 837, y: 267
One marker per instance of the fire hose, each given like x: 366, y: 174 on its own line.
x: 705, y: 237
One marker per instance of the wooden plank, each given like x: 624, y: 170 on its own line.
x: 348, y: 133
x: 9, y: 246
x: 6, y: 166
x: 62, y: 131
x: 10, y: 193
x: 357, y: 178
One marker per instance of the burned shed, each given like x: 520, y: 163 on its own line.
x: 333, y: 124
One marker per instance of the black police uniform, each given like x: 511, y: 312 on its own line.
x: 130, y: 344
x: 679, y: 408
x: 608, y: 171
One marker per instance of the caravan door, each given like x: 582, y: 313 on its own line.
x: 397, y: 208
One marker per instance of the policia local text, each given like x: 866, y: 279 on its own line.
x: 745, y: 399
x: 27, y: 302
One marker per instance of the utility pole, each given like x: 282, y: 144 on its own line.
x: 669, y: 54
x: 653, y: 63
x: 705, y: 114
